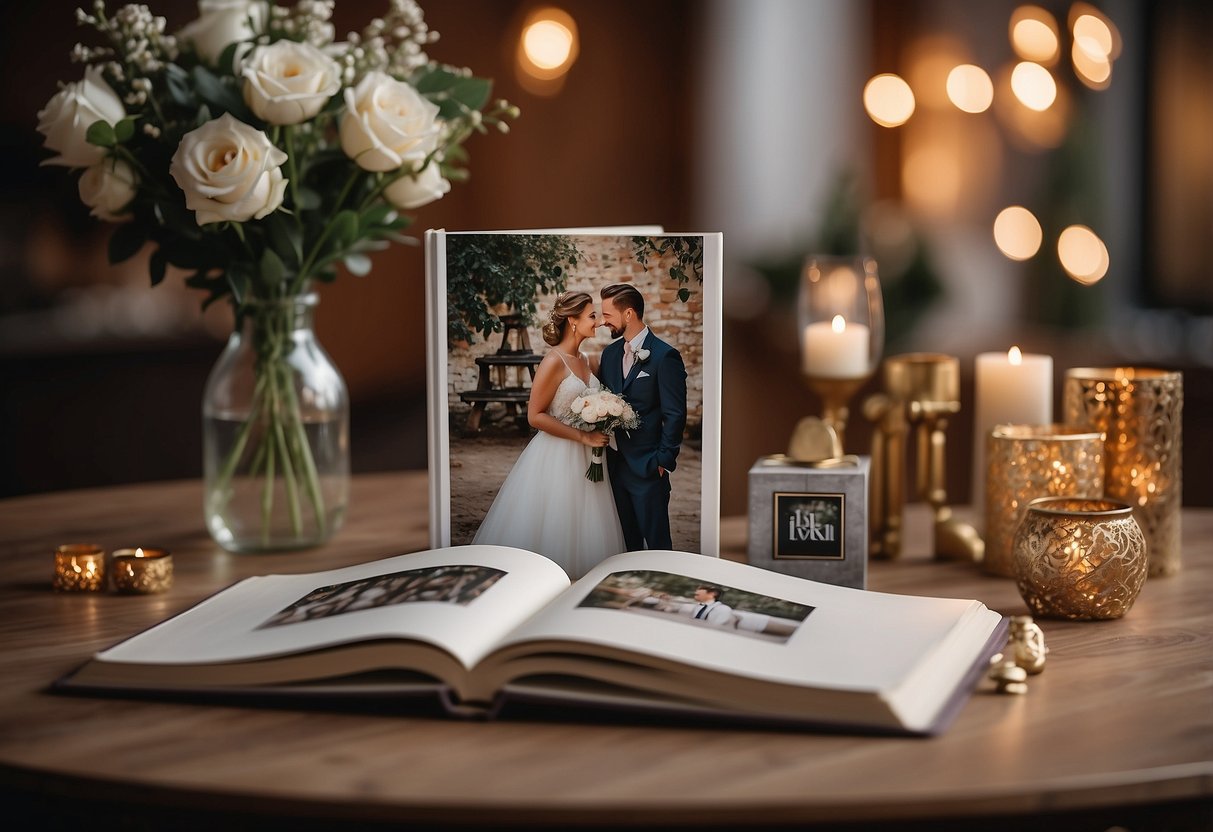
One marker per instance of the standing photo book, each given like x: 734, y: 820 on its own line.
x: 574, y: 390
x: 479, y: 627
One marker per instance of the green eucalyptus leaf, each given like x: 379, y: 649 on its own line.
x: 124, y: 130
x: 227, y: 58
x: 100, y: 133
x: 179, y: 89
x: 273, y: 272
x: 157, y: 266
x: 203, y: 116
x: 345, y: 229
x: 435, y: 80
x: 375, y: 216
x: 285, y: 237
x: 309, y: 200
x: 126, y: 241
x: 220, y: 96
x: 473, y: 93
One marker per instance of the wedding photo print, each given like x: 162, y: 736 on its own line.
x: 439, y: 584
x: 684, y: 599
x: 581, y: 403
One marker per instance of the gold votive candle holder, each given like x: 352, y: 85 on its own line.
x: 1079, y: 558
x: 1140, y: 411
x: 79, y: 567
x: 142, y: 571
x: 1029, y: 461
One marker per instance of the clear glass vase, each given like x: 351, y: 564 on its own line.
x: 275, y: 438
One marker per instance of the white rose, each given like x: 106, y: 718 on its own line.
x: 108, y: 187
x: 628, y: 412
x: 221, y: 22
x: 288, y: 82
x: 228, y: 171
x: 602, y: 409
x: 614, y: 408
x: 70, y: 113
x: 387, y: 124
x: 578, y: 405
x: 415, y: 190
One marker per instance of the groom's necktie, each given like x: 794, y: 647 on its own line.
x: 703, y: 612
x: 627, y: 358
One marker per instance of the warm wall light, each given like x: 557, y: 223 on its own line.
x: 1092, y: 68
x: 1083, y: 255
x: 1095, y: 29
x: 547, y: 48
x: 888, y: 100
x: 1034, y: 35
x: 970, y: 88
x: 1017, y: 233
x: 1033, y: 86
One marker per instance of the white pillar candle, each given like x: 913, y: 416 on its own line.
x: 837, y: 349
x: 1010, y: 388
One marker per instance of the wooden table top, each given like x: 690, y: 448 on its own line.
x: 1122, y: 717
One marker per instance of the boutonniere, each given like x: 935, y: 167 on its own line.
x: 642, y: 355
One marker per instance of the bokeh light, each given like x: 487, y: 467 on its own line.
x: 1082, y: 254
x: 888, y: 100
x: 1017, y: 232
x: 547, y: 49
x: 970, y: 88
x: 1034, y: 86
x: 1034, y: 35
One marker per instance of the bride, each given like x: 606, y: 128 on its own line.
x: 546, y: 504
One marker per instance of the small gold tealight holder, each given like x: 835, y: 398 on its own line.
x: 142, y: 571
x: 79, y: 567
x: 1029, y: 461
x: 1079, y: 558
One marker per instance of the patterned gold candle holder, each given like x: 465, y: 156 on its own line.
x: 1140, y: 411
x: 1079, y: 558
x: 79, y: 567
x: 142, y: 571
x: 1029, y: 461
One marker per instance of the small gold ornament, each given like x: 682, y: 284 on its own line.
x: 1009, y: 677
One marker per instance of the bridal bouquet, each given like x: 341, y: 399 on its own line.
x: 600, y: 409
x: 255, y: 154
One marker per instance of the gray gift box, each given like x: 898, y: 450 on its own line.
x: 811, y: 521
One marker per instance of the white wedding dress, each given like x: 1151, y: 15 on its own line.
x: 547, y: 505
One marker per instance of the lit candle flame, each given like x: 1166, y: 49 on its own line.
x: 839, y: 324
x: 1015, y: 356
x: 138, y: 553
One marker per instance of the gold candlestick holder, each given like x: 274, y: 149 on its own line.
x: 923, y: 390
x: 836, y: 395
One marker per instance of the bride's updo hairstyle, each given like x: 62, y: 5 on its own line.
x: 567, y: 305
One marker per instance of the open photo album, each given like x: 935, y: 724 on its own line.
x: 574, y: 391
x: 479, y: 627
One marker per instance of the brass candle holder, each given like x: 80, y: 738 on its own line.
x: 79, y: 567
x: 1029, y: 461
x: 142, y: 571
x: 836, y: 395
x: 922, y: 391
x: 1140, y: 411
x: 1079, y: 558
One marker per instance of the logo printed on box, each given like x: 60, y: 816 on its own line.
x: 809, y: 526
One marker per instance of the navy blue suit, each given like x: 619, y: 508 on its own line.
x: 656, y: 388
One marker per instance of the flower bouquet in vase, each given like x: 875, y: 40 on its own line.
x: 255, y: 154
x: 600, y: 409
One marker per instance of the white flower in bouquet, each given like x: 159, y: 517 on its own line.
x: 229, y: 171
x: 221, y: 23
x: 604, y: 411
x: 108, y: 188
x: 67, y: 117
x: 387, y: 124
x: 419, y: 189
x: 288, y: 82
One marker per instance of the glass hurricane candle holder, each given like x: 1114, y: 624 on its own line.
x: 1030, y: 461
x: 841, y: 322
x: 1140, y: 411
x: 1079, y: 558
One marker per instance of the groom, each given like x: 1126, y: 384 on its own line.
x: 651, y: 377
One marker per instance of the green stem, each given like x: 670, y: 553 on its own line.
x: 267, y: 491
x: 288, y: 473
x: 292, y: 172
x: 304, y: 453
x: 233, y: 458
